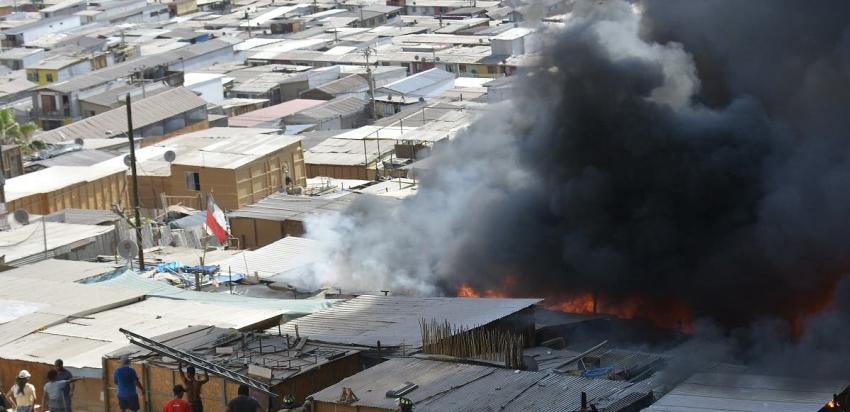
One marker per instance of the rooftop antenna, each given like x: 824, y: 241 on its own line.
x: 369, y: 78
x: 128, y: 249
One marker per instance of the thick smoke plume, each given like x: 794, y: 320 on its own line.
x: 694, y: 152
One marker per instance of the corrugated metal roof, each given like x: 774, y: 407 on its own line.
x: 59, y: 270
x: 107, y: 74
x: 115, y: 95
x: 280, y: 256
x: 346, y: 152
x: 156, y: 288
x: 394, y: 320
x: 150, y: 317
x: 57, y: 300
x: 280, y: 207
x: 84, y: 216
x: 27, y: 241
x: 747, y: 393
x: 145, y: 112
x: 449, y: 386
x: 424, y: 84
x: 272, y: 113
x: 237, y: 151
x: 348, y: 84
x: 339, y: 107
x: 54, y: 178
x: 78, y: 158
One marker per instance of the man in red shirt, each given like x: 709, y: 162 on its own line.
x: 178, y: 404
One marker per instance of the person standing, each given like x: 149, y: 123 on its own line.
x: 23, y: 393
x: 178, y: 404
x: 193, y: 386
x: 243, y: 402
x: 54, y: 391
x: 63, y: 374
x: 127, y: 381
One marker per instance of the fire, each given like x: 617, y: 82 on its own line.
x: 668, y: 314
x: 832, y: 404
x: 466, y: 291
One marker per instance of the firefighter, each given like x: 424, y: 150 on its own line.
x: 288, y: 404
x: 405, y: 405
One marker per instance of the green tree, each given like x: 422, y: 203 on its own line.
x: 12, y: 132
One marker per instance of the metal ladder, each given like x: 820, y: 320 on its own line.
x: 197, y: 362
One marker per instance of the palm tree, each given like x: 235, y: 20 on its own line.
x: 11, y: 132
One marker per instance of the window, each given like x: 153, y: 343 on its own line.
x: 193, y: 181
x: 32, y: 76
x: 49, y: 77
x: 48, y: 103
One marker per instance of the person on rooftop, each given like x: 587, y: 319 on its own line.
x: 193, y: 387
x: 127, y: 380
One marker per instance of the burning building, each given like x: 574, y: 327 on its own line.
x: 651, y: 164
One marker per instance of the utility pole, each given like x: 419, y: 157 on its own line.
x: 367, y: 52
x: 135, y: 183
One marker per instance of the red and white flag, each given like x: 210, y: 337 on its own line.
x: 216, y: 222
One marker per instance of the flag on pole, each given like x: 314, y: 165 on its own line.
x: 216, y: 222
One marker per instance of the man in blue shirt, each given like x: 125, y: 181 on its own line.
x: 127, y: 381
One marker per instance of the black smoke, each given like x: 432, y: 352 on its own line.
x: 697, y: 151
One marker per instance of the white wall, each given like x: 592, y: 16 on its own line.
x: 209, y: 87
x: 37, y: 32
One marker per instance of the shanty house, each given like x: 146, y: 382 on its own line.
x: 340, y: 113
x: 65, y: 311
x: 21, y: 35
x: 286, y: 364
x: 57, y: 69
x: 353, y: 154
x: 272, y: 115
x: 280, y: 215
x: 56, y: 188
x: 157, y: 117
x: 58, y: 103
x: 21, y: 57
x: 351, y: 85
x: 238, y: 165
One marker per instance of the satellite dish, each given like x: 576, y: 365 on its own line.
x: 127, y: 161
x: 169, y: 156
x: 22, y: 216
x: 78, y: 141
x: 128, y: 249
x: 436, y: 59
x: 416, y: 57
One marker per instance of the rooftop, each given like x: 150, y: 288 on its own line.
x: 449, y: 386
x: 748, y: 393
x: 341, y: 106
x: 272, y: 113
x: 394, y: 320
x: 113, y: 123
x: 284, y: 357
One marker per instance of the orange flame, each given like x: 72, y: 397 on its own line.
x: 466, y: 291
x: 669, y: 314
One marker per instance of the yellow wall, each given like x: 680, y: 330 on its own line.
x: 41, y: 75
x: 186, y: 7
